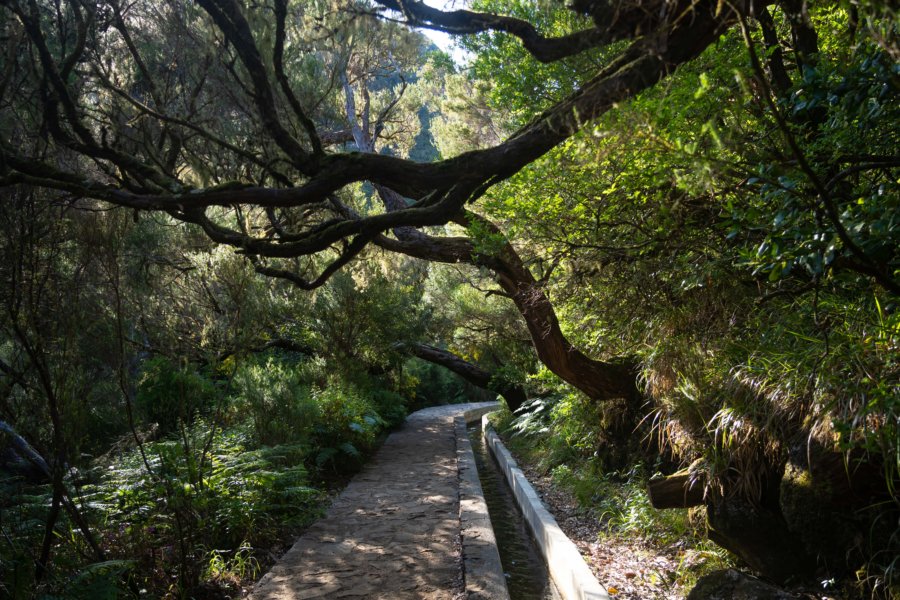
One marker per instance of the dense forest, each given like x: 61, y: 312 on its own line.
x: 241, y: 240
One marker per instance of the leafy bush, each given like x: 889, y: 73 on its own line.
x: 196, y: 507
x: 99, y: 581
x: 205, y: 498
x: 23, y: 510
x: 278, y: 400
x: 348, y: 426
x: 339, y: 419
x: 167, y: 394
x: 390, y: 405
x: 434, y: 384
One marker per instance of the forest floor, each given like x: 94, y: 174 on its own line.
x: 630, y: 568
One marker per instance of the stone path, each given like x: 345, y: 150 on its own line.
x: 394, y: 532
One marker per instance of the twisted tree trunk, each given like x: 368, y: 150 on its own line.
x: 600, y: 380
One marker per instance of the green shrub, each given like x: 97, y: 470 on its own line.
x: 278, y: 399
x: 435, y: 385
x: 210, y: 495
x: 24, y: 511
x: 167, y: 394
x: 390, y: 405
x: 99, y: 581
x: 348, y: 427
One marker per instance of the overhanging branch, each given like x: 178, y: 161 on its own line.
x: 461, y: 22
x: 512, y: 393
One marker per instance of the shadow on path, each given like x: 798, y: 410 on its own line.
x: 393, y: 532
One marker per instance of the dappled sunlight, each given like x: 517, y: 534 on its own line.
x: 393, y: 532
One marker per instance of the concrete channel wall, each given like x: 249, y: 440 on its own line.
x: 481, y: 559
x: 569, y: 571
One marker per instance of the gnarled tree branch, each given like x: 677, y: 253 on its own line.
x: 512, y: 393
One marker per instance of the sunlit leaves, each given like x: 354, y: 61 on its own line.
x: 521, y: 85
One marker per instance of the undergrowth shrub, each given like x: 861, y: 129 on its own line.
x: 435, y: 385
x: 390, y: 405
x: 278, y: 399
x: 229, y: 568
x: 348, y: 427
x: 341, y: 417
x: 23, y: 509
x: 228, y: 478
x: 569, y: 426
x: 211, y: 494
x: 167, y: 394
x: 99, y: 581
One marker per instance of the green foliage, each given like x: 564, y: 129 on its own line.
x: 855, y: 103
x: 485, y: 241
x: 621, y: 501
x: 390, y: 405
x: 241, y: 565
x: 436, y: 385
x: 569, y: 427
x: 278, y: 399
x: 348, y: 426
x: 100, y: 581
x: 477, y: 325
x: 525, y: 91
x: 23, y: 509
x: 340, y: 417
x: 732, y: 239
x: 213, y: 498
x: 533, y: 419
x: 210, y: 494
x: 687, y: 233
x: 169, y: 395
x: 359, y: 316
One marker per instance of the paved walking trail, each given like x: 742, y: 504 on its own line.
x: 394, y: 532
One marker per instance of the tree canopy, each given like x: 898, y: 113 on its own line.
x: 221, y: 123
x: 682, y: 214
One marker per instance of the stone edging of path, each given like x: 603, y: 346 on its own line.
x: 481, y: 560
x: 567, y: 568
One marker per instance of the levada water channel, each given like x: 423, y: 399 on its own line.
x: 526, y: 573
